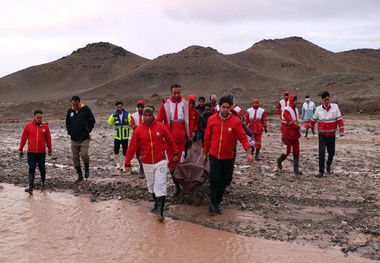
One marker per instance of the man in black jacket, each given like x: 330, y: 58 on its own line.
x: 79, y: 123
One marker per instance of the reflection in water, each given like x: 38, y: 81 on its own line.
x: 58, y: 227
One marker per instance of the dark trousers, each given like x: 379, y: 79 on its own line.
x: 220, y: 172
x: 33, y: 160
x: 116, y: 146
x: 329, y: 143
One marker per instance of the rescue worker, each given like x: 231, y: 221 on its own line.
x: 176, y: 114
x: 219, y: 142
x: 214, y: 102
x: 329, y: 118
x: 209, y: 110
x: 194, y: 128
x: 79, y: 123
x: 135, y: 122
x: 122, y: 121
x: 235, y: 109
x: 150, y: 138
x: 308, y: 110
x: 291, y: 134
x: 282, y: 104
x: 37, y: 133
x: 256, y: 120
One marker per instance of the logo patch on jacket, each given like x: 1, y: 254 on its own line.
x: 158, y: 133
x: 229, y: 129
x: 72, y: 114
x: 43, y: 130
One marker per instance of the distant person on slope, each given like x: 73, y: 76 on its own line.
x: 256, y: 120
x: 150, y: 138
x: 290, y: 134
x: 79, y: 123
x: 121, y: 120
x: 219, y: 141
x: 135, y: 122
x: 176, y: 114
x: 37, y: 133
x: 329, y: 118
x: 308, y: 110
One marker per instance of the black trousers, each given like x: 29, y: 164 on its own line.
x: 220, y: 172
x: 123, y: 143
x: 35, y: 159
x: 329, y: 143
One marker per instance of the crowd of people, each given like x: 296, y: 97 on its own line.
x: 161, y: 142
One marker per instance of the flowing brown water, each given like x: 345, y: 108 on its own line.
x: 59, y: 227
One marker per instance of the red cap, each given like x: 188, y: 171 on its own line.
x: 140, y: 102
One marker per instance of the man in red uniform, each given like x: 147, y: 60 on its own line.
x: 282, y: 104
x: 329, y: 118
x: 256, y: 120
x: 37, y: 133
x: 176, y: 114
x: 150, y: 138
x: 290, y: 134
x: 135, y: 122
x: 219, y: 142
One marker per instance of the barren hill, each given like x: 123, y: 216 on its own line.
x: 104, y: 72
x: 84, y: 69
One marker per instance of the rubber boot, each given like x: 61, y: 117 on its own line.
x: 296, y: 165
x: 218, y: 209
x: 320, y: 175
x: 328, y: 169
x: 177, y: 186
x: 257, y: 158
x: 211, y: 209
x: 160, y: 208
x: 86, y: 170
x: 252, y: 150
x: 141, y: 172
x: 306, y: 132
x: 42, y: 183
x: 279, y: 162
x: 79, y: 172
x: 31, y: 184
x: 155, y: 205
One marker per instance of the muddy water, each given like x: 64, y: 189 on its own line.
x: 59, y: 227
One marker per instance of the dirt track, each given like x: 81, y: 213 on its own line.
x: 341, y: 211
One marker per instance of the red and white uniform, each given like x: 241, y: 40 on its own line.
x: 220, y: 136
x: 195, y: 114
x: 215, y: 106
x: 137, y: 118
x: 328, y: 118
x: 256, y: 120
x: 150, y: 140
x: 177, y: 116
x: 290, y: 129
x: 38, y: 137
x: 282, y: 104
x: 238, y: 112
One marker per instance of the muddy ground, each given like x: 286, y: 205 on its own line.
x: 341, y: 211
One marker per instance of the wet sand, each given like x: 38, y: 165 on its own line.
x: 341, y: 211
x: 58, y: 227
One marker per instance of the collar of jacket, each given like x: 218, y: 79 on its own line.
x: 80, y: 106
x: 149, y: 125
x: 175, y: 101
x: 224, y: 118
x: 326, y: 108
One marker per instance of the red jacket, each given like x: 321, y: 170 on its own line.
x: 179, y: 125
x: 289, y: 121
x: 195, y: 114
x: 151, y: 140
x: 256, y: 119
x: 220, y: 136
x: 38, y: 137
x: 328, y: 119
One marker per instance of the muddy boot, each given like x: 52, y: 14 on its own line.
x: 86, y: 170
x: 279, y: 162
x: 320, y: 175
x: 296, y: 165
x: 218, y: 209
x: 257, y: 158
x: 155, y: 205
x: 211, y: 209
x: 28, y: 190
x: 141, y: 172
x: 160, y: 208
x: 328, y: 169
x: 306, y: 132
x: 79, y: 172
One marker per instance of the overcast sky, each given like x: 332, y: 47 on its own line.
x: 39, y: 31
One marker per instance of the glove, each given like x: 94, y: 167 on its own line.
x: 128, y: 169
x: 176, y: 158
x: 341, y: 134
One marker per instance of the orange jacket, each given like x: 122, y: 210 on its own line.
x: 151, y: 140
x: 220, y: 136
x: 38, y: 137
